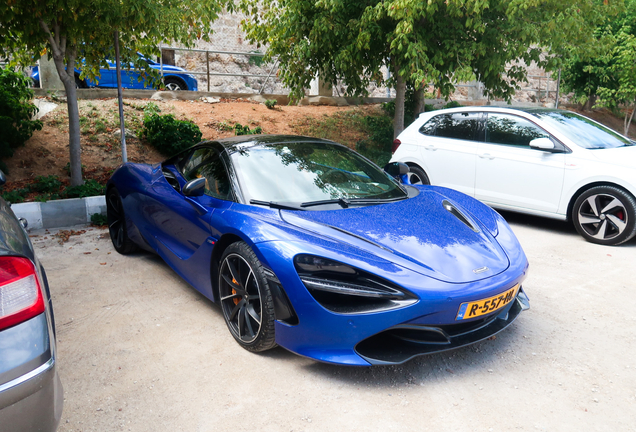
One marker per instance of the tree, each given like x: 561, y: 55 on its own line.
x: 79, y: 33
x: 16, y: 111
x: 611, y: 75
x: 438, y: 41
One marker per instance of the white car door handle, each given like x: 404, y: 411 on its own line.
x: 430, y: 147
x: 486, y: 156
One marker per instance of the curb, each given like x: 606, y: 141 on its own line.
x: 60, y: 213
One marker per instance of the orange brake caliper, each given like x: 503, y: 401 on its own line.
x: 236, y: 300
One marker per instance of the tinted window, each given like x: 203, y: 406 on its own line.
x: 464, y: 126
x: 512, y: 130
x: 308, y: 171
x: 206, y: 162
x: 428, y: 128
x: 583, y: 131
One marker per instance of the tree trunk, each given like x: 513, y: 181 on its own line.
x: 400, y: 94
x: 67, y: 75
x: 74, y: 145
x: 628, y: 120
x: 420, y: 102
x: 591, y: 101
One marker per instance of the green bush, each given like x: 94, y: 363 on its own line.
x: 270, y: 103
x: 99, y: 219
x: 89, y: 188
x: 16, y: 111
x: 245, y: 130
x: 378, y: 146
x: 46, y: 184
x: 452, y: 104
x: 47, y: 197
x: 169, y: 135
x: 15, y: 196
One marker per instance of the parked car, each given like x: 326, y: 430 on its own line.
x: 174, y: 77
x: 306, y: 244
x: 543, y: 162
x: 31, y: 396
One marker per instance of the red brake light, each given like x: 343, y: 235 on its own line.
x: 396, y: 144
x: 20, y: 294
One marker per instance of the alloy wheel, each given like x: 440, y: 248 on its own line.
x: 603, y: 216
x: 240, y: 298
x: 115, y: 220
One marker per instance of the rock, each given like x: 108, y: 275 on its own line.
x: 44, y: 107
x: 210, y: 100
x: 129, y: 133
x: 164, y: 95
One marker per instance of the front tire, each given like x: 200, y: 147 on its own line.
x: 605, y: 215
x: 117, y: 224
x: 174, y: 84
x: 246, y: 301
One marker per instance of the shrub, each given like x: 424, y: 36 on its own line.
x: 378, y: 146
x: 452, y: 104
x: 15, y: 196
x: 99, y: 219
x: 46, y: 184
x: 270, y: 103
x: 151, y: 108
x: 89, y: 188
x: 16, y: 111
x: 245, y: 130
x: 169, y: 135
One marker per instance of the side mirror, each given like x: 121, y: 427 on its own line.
x: 396, y: 169
x: 194, y: 187
x: 3, y: 178
x: 545, y: 144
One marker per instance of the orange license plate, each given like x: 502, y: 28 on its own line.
x: 482, y: 307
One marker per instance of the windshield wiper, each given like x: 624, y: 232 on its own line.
x: 346, y: 202
x: 276, y: 205
x: 342, y: 201
x: 375, y: 200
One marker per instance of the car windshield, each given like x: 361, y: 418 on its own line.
x: 303, y: 172
x: 583, y: 131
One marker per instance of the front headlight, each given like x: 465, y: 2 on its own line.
x: 348, y: 290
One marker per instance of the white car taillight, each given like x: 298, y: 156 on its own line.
x: 396, y: 144
x: 20, y: 294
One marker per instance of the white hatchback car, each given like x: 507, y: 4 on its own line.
x: 544, y: 162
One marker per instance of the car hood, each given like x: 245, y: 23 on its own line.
x: 624, y: 156
x: 417, y: 233
x: 168, y: 68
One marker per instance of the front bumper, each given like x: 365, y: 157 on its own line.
x: 401, y: 343
x: 352, y: 339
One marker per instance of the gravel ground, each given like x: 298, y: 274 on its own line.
x: 140, y: 350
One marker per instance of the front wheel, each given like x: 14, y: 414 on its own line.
x: 246, y: 301
x: 605, y: 215
x: 117, y: 224
x: 173, y: 84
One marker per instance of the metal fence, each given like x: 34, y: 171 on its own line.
x: 268, y: 76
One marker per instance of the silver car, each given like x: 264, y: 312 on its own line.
x: 30, y: 389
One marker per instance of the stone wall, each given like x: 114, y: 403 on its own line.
x: 229, y: 37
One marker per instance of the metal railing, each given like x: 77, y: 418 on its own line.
x: 208, y: 74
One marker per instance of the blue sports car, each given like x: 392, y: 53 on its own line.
x: 174, y: 77
x: 308, y: 245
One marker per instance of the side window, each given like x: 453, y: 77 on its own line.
x: 206, y: 162
x: 464, y: 126
x: 428, y: 128
x: 512, y: 130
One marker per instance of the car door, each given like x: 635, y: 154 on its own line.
x: 511, y: 174
x: 449, y: 149
x: 182, y: 223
